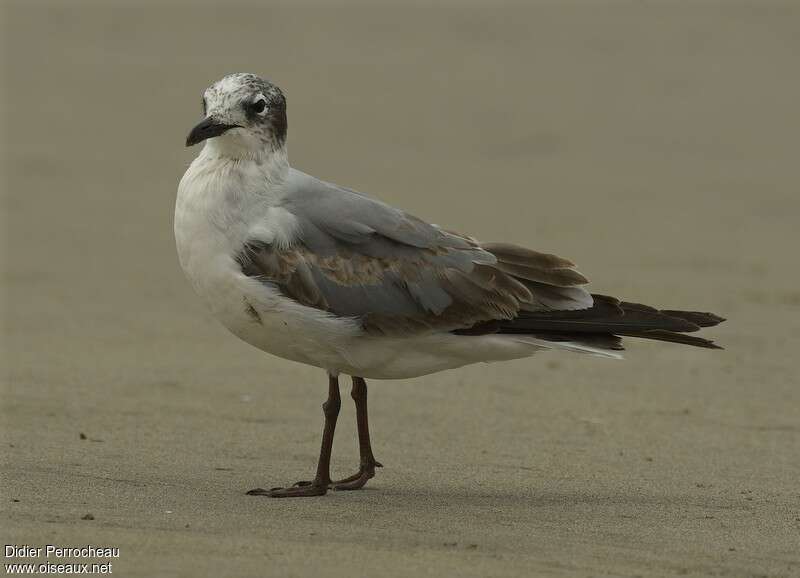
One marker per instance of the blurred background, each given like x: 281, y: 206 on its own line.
x: 653, y: 143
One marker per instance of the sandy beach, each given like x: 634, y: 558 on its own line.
x: 656, y: 145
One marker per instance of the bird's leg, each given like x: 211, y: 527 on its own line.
x: 320, y: 483
x: 368, y: 462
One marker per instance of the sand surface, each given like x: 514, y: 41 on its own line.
x: 657, y: 146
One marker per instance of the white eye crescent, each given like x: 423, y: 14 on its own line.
x: 259, y: 105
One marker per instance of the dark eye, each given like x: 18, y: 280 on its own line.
x: 259, y: 106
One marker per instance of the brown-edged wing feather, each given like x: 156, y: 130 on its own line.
x: 353, y: 256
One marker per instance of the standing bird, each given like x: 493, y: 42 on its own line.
x: 323, y: 275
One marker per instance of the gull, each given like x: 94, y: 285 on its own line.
x: 323, y: 275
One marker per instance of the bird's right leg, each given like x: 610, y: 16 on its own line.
x: 368, y: 463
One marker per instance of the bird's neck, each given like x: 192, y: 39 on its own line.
x: 274, y: 163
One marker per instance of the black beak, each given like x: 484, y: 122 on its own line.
x: 207, y: 128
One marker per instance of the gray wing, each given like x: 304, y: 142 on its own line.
x: 357, y: 257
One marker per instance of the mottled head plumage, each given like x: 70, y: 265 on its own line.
x: 244, y: 113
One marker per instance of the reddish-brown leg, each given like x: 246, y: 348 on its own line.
x: 368, y: 463
x: 319, y: 486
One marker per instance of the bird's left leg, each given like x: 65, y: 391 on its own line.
x: 368, y: 463
x: 319, y: 485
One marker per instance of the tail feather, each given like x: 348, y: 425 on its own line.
x: 602, y: 325
x: 696, y: 317
x: 673, y: 337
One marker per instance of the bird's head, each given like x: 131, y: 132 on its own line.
x: 245, y: 116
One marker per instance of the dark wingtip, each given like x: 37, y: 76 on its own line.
x: 712, y: 319
x: 673, y: 337
x: 701, y: 319
x: 708, y: 344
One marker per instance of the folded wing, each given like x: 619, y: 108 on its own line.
x: 357, y: 257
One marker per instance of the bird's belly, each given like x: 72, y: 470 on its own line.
x: 414, y: 356
x: 256, y: 312
x: 259, y: 314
